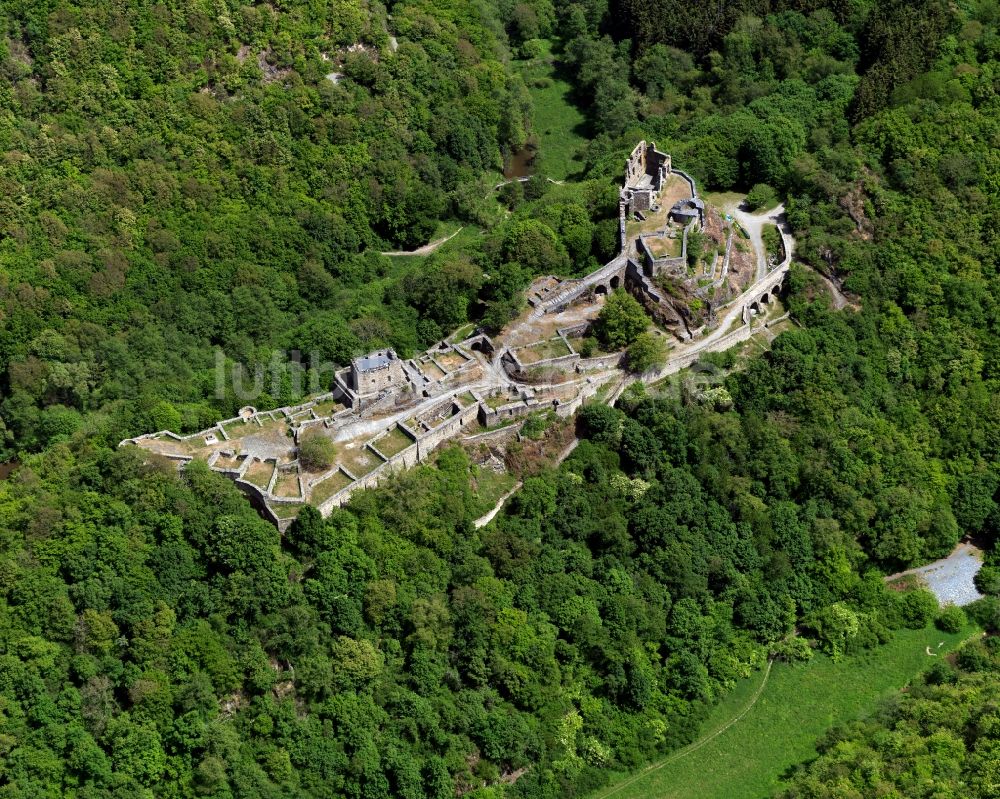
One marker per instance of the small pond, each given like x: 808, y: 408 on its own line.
x: 520, y: 163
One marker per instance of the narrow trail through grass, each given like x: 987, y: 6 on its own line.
x: 696, y: 745
x: 762, y: 729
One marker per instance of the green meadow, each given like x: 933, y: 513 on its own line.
x: 746, y: 758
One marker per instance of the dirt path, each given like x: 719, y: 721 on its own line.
x: 753, y: 224
x: 427, y: 249
x: 482, y: 521
x: 693, y: 747
x: 840, y: 300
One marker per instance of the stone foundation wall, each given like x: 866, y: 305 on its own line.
x: 417, y: 452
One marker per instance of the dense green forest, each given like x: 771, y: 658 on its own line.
x: 181, y: 177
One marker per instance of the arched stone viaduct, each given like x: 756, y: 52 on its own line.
x: 762, y: 294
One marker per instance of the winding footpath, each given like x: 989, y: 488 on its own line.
x: 427, y: 249
x: 692, y: 747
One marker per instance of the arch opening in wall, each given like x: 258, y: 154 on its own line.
x: 615, y: 282
x: 765, y: 298
x: 601, y: 289
x: 754, y: 308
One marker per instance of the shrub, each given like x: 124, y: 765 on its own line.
x: 511, y: 194
x: 316, y: 451
x: 645, y: 352
x: 940, y: 674
x: 988, y: 580
x: 761, y: 196
x: 772, y: 240
x: 917, y: 608
x: 986, y: 613
x: 974, y: 658
x: 621, y: 320
x: 951, y: 619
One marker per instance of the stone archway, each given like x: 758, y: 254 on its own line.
x: 615, y: 282
x: 765, y: 298
x: 600, y: 289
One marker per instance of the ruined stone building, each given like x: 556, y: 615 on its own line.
x: 376, y: 372
x: 369, y: 377
x: 645, y: 171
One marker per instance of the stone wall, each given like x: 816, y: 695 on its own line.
x: 641, y: 200
x: 654, y: 265
x: 374, y: 379
x: 600, y: 362
x: 417, y: 452
x: 488, y: 417
x: 635, y: 165
x: 645, y: 159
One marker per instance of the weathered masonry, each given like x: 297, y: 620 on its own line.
x: 645, y: 171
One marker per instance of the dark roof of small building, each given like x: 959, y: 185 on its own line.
x: 374, y: 360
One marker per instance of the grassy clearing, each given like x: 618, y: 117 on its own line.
x: 543, y: 351
x: 726, y: 201
x: 328, y: 408
x: 323, y: 491
x: 798, y: 704
x: 360, y: 460
x: 271, y: 428
x: 460, y: 242
x: 558, y: 124
x: 287, y: 484
x: 462, y: 333
x: 664, y: 248
x: 287, y: 510
x: 259, y: 473
x: 499, y: 400
x: 393, y: 442
x: 488, y: 486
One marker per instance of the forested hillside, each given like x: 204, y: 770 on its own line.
x: 183, y: 177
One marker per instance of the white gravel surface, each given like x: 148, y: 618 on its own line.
x: 950, y: 579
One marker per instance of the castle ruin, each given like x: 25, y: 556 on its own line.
x: 645, y: 171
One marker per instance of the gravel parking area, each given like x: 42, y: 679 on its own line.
x: 950, y: 579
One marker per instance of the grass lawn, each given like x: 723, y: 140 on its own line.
x: 557, y: 122
x: 287, y: 510
x: 725, y: 201
x: 393, y: 442
x: 359, y: 460
x: 287, y: 484
x: 543, y: 351
x: 328, y: 408
x: 664, y: 247
x: 462, y: 333
x: 499, y: 400
x: 798, y: 704
x: 323, y: 491
x: 488, y: 486
x: 259, y: 473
